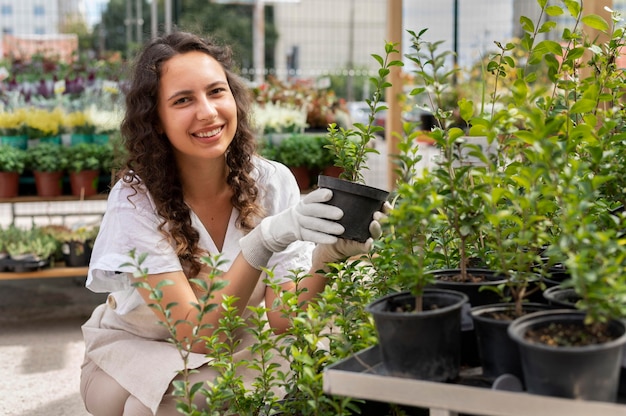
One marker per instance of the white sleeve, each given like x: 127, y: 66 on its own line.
x: 128, y: 225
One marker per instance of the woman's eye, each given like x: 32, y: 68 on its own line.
x: 181, y: 101
x: 218, y: 90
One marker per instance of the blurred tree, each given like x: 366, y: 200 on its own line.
x: 227, y: 23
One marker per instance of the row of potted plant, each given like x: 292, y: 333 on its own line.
x: 49, y: 163
x: 38, y: 247
x: 527, y: 187
x: 19, y: 126
x: 305, y: 154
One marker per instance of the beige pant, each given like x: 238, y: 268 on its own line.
x: 103, y: 396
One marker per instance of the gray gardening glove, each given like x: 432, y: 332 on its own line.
x: 343, y: 249
x: 310, y: 220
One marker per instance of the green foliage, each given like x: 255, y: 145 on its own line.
x: 351, y: 146
x: 550, y: 192
x: 47, y: 157
x: 87, y: 156
x: 321, y: 333
x: 298, y: 150
x: 33, y: 242
x: 12, y: 159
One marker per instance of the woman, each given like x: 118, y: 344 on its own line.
x: 192, y: 186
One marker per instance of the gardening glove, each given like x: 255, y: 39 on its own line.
x: 343, y: 249
x: 310, y: 220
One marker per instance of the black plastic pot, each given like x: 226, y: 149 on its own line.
x: 561, y: 297
x: 498, y: 353
x: 76, y: 253
x: 477, y: 296
x: 359, y: 203
x: 588, y: 373
x: 423, y: 345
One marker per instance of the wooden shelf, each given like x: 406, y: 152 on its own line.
x: 52, y: 272
x: 362, y: 376
x: 62, y: 198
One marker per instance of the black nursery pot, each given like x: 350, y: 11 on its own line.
x: 357, y: 201
x: 470, y: 356
x: 561, y: 297
x: 76, y: 253
x: 586, y: 373
x: 422, y: 345
x: 498, y: 353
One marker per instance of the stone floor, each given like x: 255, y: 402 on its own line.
x: 41, y: 346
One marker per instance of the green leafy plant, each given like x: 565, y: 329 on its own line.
x: 12, y: 159
x: 299, y: 150
x: 86, y: 156
x: 321, y: 333
x: 47, y: 157
x: 32, y: 242
x: 351, y: 147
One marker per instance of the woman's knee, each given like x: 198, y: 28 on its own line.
x: 102, y: 395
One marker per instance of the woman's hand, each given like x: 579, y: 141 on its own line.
x: 310, y: 220
x: 342, y: 249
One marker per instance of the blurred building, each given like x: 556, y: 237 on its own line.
x: 35, y: 26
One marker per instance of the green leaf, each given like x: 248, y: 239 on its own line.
x: 583, y: 106
x: 596, y: 22
x: 554, y: 11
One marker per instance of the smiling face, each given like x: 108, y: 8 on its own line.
x: 196, y: 107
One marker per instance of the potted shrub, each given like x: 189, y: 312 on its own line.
x: 418, y: 325
x: 12, y: 165
x: 48, y: 162
x: 28, y: 249
x: 572, y: 128
x: 84, y: 163
x: 351, y: 148
x: 301, y: 154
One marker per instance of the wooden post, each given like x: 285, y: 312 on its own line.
x: 595, y: 7
x: 394, y: 114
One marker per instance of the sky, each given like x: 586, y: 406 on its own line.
x: 93, y: 10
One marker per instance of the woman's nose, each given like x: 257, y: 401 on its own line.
x: 206, y: 109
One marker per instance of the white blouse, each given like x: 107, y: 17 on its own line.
x: 131, y: 223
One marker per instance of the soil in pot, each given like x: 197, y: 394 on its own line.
x: 498, y: 353
x: 562, y: 357
x: 358, y: 202
x: 424, y: 344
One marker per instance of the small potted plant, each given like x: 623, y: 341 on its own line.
x: 12, y: 165
x: 28, y: 249
x: 418, y: 325
x: 301, y: 154
x: 76, y: 244
x: 48, y: 162
x: 84, y: 163
x: 351, y: 148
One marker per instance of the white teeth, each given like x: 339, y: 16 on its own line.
x: 209, y: 133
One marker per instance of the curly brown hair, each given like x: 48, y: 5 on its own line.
x: 150, y: 159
